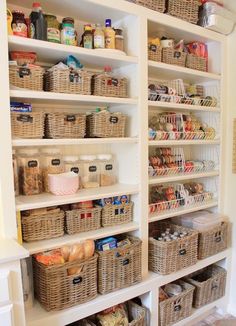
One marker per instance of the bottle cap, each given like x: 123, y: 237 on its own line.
x: 28, y: 151
x: 70, y: 158
x: 107, y: 69
x: 104, y: 157
x: 87, y: 27
x: 88, y: 157
x: 50, y: 150
x: 108, y: 22
x: 36, y: 5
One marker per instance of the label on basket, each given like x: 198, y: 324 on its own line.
x: 70, y: 118
x: 23, y: 71
x: 113, y: 119
x: 75, y: 170
x: 182, y: 252
x: 153, y: 48
x: 56, y: 162
x: 92, y: 168
x: 32, y: 164
x: 126, y: 262
x: 114, y: 81
x: 218, y: 239
x: 109, y: 167
x: 25, y: 118
x: 75, y: 77
x: 77, y: 280
x: 177, y: 308
x: 177, y: 54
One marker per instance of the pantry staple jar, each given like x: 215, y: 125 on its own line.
x: 90, y: 171
x: 108, y: 176
x: 73, y: 164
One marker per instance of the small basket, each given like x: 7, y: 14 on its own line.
x: 105, y: 85
x: 27, y: 125
x: 81, y: 220
x: 105, y: 124
x: 120, y: 267
x: 65, y: 125
x: 195, y: 62
x: 56, y: 290
x: 137, y: 314
x: 169, y: 257
x: 184, y: 9
x: 43, y: 226
x: 154, y: 52
x: 28, y: 78
x: 174, y: 57
x: 209, y: 285
x: 117, y: 214
x: 213, y: 241
x: 72, y: 81
x: 157, y: 5
x: 177, y: 307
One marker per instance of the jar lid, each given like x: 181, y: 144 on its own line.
x: 104, y: 157
x: 70, y: 158
x: 28, y: 151
x: 46, y: 150
x: 88, y: 157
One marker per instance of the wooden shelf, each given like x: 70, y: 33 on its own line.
x: 179, y: 106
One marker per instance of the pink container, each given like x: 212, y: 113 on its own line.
x: 63, y: 183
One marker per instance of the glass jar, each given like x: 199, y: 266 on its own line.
x: 90, y: 171
x: 72, y: 164
x: 15, y: 173
x: 68, y: 33
x: 30, y: 173
x: 119, y: 39
x: 51, y: 164
x: 108, y: 171
x: 19, y: 26
x: 53, y: 29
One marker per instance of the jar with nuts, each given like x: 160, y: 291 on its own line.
x: 108, y: 175
x: 91, y: 171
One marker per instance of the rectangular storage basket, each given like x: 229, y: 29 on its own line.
x: 136, y: 313
x: 56, y: 290
x: 117, y: 214
x: 27, y: 125
x: 157, y: 5
x: 184, y: 9
x: 81, y: 220
x: 43, y: 226
x: 105, y: 124
x: 177, y: 307
x: 169, y: 257
x: 72, y: 81
x: 28, y: 78
x: 213, y: 241
x: 65, y: 125
x: 154, y: 52
x: 105, y: 85
x: 174, y: 57
x: 209, y: 285
x: 195, y: 62
x: 120, y: 267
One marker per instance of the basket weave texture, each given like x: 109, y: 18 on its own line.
x: 105, y: 85
x: 184, y: 9
x: 29, y: 78
x: 213, y: 241
x: 81, y: 220
x: 117, y: 214
x: 136, y: 314
x: 195, y: 62
x: 157, y: 5
x: 154, y: 53
x: 120, y: 267
x: 174, y: 57
x: 169, y: 257
x: 177, y: 307
x: 209, y: 285
x: 27, y: 125
x: 61, y: 125
x: 55, y: 290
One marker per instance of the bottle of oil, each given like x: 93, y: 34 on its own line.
x: 109, y: 35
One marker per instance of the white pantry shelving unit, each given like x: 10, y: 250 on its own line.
x: 131, y: 152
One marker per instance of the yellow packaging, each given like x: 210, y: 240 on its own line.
x: 19, y: 229
x: 9, y: 21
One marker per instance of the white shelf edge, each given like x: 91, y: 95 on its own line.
x: 39, y: 246
x: 10, y: 251
x: 154, y: 218
x: 179, y: 106
x: 182, y: 142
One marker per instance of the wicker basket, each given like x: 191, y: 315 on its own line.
x: 81, y: 220
x: 117, y: 214
x: 29, y: 78
x: 136, y: 313
x: 195, y: 62
x: 174, y: 57
x: 105, y: 124
x: 169, y: 257
x: 157, y: 5
x: 27, y: 125
x: 184, y: 9
x: 43, y: 226
x: 177, y: 307
x: 55, y: 290
x: 70, y: 81
x: 105, y: 85
x: 62, y: 125
x: 209, y: 285
x: 154, y: 53
x: 120, y: 267
x: 213, y: 241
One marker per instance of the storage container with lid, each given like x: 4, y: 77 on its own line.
x: 90, y: 171
x: 15, y: 173
x: 108, y: 176
x: 52, y: 163
x: 30, y: 172
x: 73, y: 164
x: 207, y: 222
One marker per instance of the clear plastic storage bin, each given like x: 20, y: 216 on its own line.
x: 73, y: 164
x: 108, y: 170
x: 90, y: 171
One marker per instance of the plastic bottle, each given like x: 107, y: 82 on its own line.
x: 38, y: 26
x: 99, y: 38
x: 109, y: 35
x: 87, y: 37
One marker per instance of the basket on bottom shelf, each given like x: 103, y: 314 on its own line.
x: 117, y: 214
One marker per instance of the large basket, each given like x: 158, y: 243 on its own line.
x: 157, y: 5
x: 105, y: 124
x: 65, y: 125
x: 154, y: 52
x: 81, y: 220
x: 174, y: 57
x: 105, y: 85
x: 213, y: 241
x: 27, y: 125
x: 117, y: 214
x: 120, y: 267
x: 24, y: 77
x: 73, y: 81
x: 43, y: 226
x: 184, y: 9
x: 169, y: 257
x: 177, y: 307
x: 56, y: 290
x: 195, y: 62
x: 209, y: 285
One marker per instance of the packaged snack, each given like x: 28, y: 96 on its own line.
x: 105, y: 202
x: 20, y: 107
x: 115, y: 316
x: 51, y: 257
x: 106, y: 244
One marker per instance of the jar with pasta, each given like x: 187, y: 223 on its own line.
x: 30, y: 172
x: 52, y: 163
x: 90, y: 171
x: 108, y: 171
x: 15, y: 173
x: 73, y: 164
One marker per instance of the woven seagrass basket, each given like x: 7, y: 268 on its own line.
x: 157, y: 5
x: 195, y: 62
x: 184, y: 9
x: 27, y: 125
x: 105, y: 85
x: 154, y: 52
x: 117, y: 214
x: 174, y: 57
x: 24, y: 77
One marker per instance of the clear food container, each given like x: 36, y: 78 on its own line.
x: 52, y: 163
x: 15, y: 173
x: 90, y: 171
x: 73, y: 164
x: 30, y: 172
x: 108, y: 170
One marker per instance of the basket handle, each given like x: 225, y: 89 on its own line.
x: 177, y: 305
